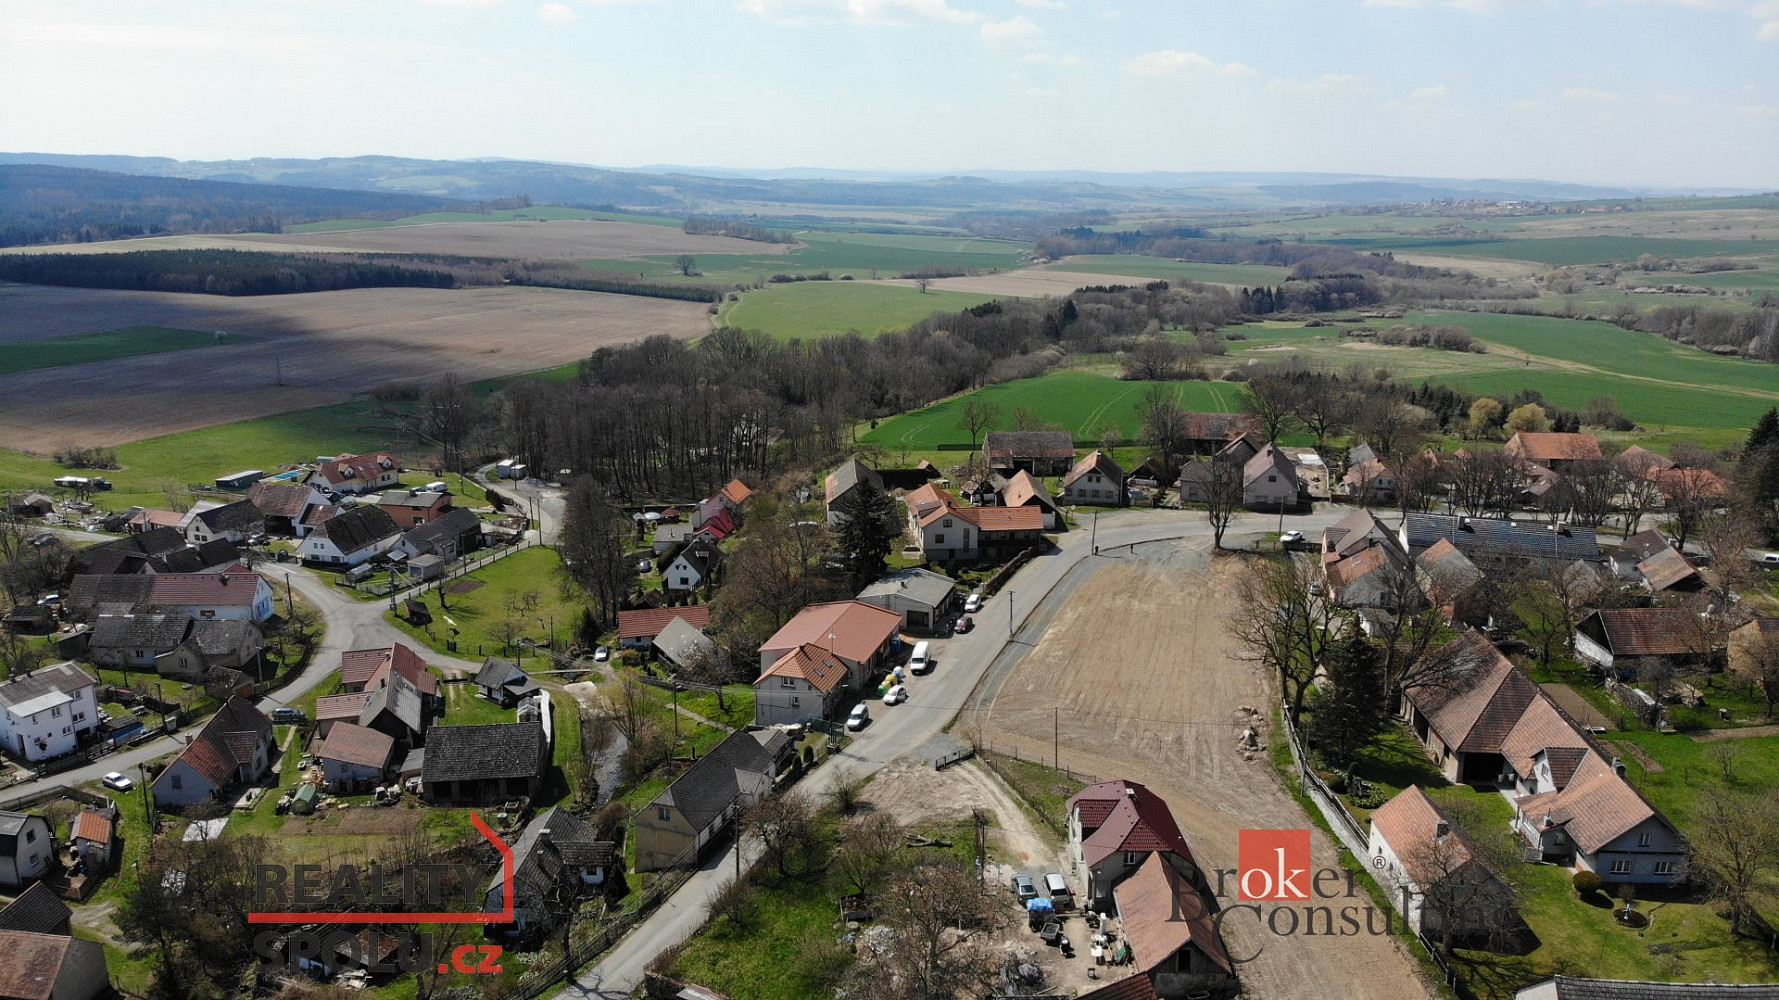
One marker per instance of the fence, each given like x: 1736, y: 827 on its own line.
x: 379, y: 585
x: 1055, y: 823
x: 1345, y: 827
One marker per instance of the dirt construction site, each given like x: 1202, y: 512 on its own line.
x: 302, y: 351
x: 1135, y: 676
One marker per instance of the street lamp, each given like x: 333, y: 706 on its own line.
x: 1009, y: 614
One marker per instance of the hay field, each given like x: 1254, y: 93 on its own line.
x: 330, y: 345
x: 564, y: 240
x: 1029, y: 282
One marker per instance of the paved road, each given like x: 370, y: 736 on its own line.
x: 933, y: 700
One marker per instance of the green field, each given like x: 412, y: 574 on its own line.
x: 81, y: 348
x: 862, y: 255
x: 475, y: 618
x: 1561, y: 250
x: 1080, y: 402
x: 1764, y: 279
x: 810, y: 309
x: 545, y: 213
x: 1139, y: 266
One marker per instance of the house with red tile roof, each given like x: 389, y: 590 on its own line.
x: 1618, y: 639
x: 1113, y: 828
x: 1556, y: 451
x: 357, y: 473
x: 1024, y: 490
x: 233, y: 749
x: 951, y: 531
x: 853, y: 632
x: 352, y: 756
x: 369, y: 669
x: 637, y: 629
x: 93, y: 835
x: 1417, y: 853
x: 1172, y: 932
x: 732, y: 498
x: 807, y: 681
x: 52, y: 967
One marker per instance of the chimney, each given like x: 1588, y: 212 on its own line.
x: 1441, y: 830
x: 1618, y: 766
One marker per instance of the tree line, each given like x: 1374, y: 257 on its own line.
x: 46, y: 204
x: 220, y: 272
x: 716, y: 225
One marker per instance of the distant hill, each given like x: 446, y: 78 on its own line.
x: 59, y: 204
x: 674, y: 190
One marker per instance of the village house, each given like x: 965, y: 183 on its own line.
x: 842, y: 484
x: 694, y: 567
x: 1486, y: 722
x: 637, y: 629
x: 1680, y: 487
x: 452, y: 535
x: 1209, y: 433
x: 396, y: 707
x: 93, y: 835
x: 47, y: 712
x: 558, y: 850
x: 1453, y: 584
x: 354, y: 758
x: 1113, y: 828
x: 726, y: 503
x: 285, y: 505
x: 1619, y: 640
x: 1554, y: 451
x: 52, y: 967
x: 701, y: 803
x: 31, y: 504
x: 670, y: 536
x: 357, y: 473
x: 858, y: 634
x: 1490, y: 541
x: 38, y: 910
x: 161, y: 550
x: 233, y: 749
x: 484, y: 765
x: 1023, y: 490
x: 27, y: 849
x: 351, y: 537
x: 922, y: 597
x: 503, y: 682
x: 1096, y: 481
x: 1041, y: 453
x: 1649, y: 558
x: 1417, y: 853
x: 369, y: 669
x: 1269, y: 481
x: 1371, y: 481
x: 210, y: 645
x: 1172, y: 934
x: 951, y: 531
x: 134, y: 641
x: 807, y: 682
x: 688, y: 650
x: 232, y: 521
x: 150, y: 518
x: 234, y: 593
x: 414, y: 507
x: 1365, y: 567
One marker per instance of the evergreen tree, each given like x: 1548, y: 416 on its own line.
x: 1765, y: 432
x: 1350, y: 710
x: 867, y: 532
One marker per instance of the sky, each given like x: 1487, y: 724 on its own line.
x: 1670, y: 93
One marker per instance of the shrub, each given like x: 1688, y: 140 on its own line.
x: 1587, y: 883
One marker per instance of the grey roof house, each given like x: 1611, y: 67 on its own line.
x: 920, y: 596
x: 700, y: 804
x: 484, y: 765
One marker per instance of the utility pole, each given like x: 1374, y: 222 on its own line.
x: 1093, y: 533
x: 1056, y: 737
x: 1009, y: 614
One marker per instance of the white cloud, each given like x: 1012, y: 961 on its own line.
x: 1758, y: 110
x: 1769, y: 32
x: 890, y: 12
x: 1042, y: 4
x: 1065, y: 61
x: 555, y: 13
x: 1168, y: 62
x: 1421, y: 100
x: 1014, y: 29
x: 1527, y: 105
x: 1043, y: 92
x: 1588, y: 95
x: 1327, y: 83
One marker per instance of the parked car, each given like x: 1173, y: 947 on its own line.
x: 602, y: 654
x: 1291, y: 539
x: 116, y: 780
x: 965, y: 624
x: 1058, y: 888
x: 1024, y: 888
x: 859, y: 717
x: 49, y: 600
x: 289, y: 716
x: 973, y: 603
x: 896, y: 695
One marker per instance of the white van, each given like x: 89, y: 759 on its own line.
x: 438, y: 487
x: 922, y: 660
x: 1061, y: 896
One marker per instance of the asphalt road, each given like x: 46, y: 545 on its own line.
x: 998, y: 640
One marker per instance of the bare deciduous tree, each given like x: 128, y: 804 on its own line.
x: 930, y: 906
x: 1735, y: 847
x: 1223, y: 496
x: 977, y: 415
x: 1281, y: 626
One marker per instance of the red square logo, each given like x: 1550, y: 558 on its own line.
x: 1275, y: 865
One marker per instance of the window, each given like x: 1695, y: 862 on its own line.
x: 30, y: 836
x: 79, y: 716
x: 664, y: 813
x: 1133, y: 858
x: 1621, y: 867
x: 178, y: 782
x: 939, y: 539
x: 1643, y: 839
x: 55, y: 713
x: 796, y: 701
x: 945, y: 523
x: 789, y: 682
x: 1664, y: 867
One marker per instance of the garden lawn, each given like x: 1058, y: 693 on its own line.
x: 476, y: 618
x: 1691, y: 773
x: 739, y: 699
x: 759, y: 962
x: 810, y: 309
x: 86, y: 347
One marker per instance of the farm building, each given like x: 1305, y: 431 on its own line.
x: 1416, y: 849
x: 920, y: 596
x: 1041, y: 453
x: 485, y: 765
x: 843, y: 483
x: 239, y: 480
x: 1619, y: 639
x: 1553, y: 450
